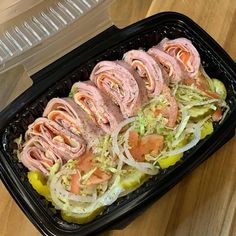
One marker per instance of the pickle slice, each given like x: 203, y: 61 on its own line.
x: 220, y: 88
x: 81, y: 218
x: 132, y: 179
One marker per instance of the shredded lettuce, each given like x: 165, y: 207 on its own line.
x: 182, y: 124
x: 104, y: 157
x: 54, y: 168
x: 72, y: 91
x: 147, y: 121
x: 18, y: 140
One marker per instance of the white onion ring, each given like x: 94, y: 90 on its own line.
x: 115, y: 133
x: 183, y: 123
x: 106, y: 199
x: 57, y: 189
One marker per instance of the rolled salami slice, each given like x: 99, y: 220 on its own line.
x: 184, y: 52
x: 168, y: 63
x: 38, y: 155
x: 64, y: 143
x: 148, y: 69
x: 122, y: 84
x: 97, y: 105
x: 66, y: 113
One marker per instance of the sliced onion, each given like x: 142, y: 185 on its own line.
x: 58, y: 191
x: 182, y: 124
x: 225, y: 113
x: 194, y: 141
x: 110, y: 196
x: 120, y: 164
x: 114, y: 136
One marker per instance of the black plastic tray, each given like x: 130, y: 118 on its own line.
x: 56, y: 81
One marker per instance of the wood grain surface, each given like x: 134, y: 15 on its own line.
x: 204, y: 202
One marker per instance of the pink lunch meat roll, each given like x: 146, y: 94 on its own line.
x: 168, y: 63
x: 148, y: 69
x: 97, y: 105
x: 38, y: 155
x: 184, y: 52
x: 63, y: 143
x: 66, y: 113
x: 119, y: 81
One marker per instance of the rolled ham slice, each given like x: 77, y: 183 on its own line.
x: 66, y: 113
x: 148, y: 69
x: 97, y: 105
x: 122, y: 84
x: 64, y: 143
x: 38, y: 155
x: 168, y: 63
x: 184, y: 52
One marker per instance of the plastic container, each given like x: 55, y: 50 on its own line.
x: 56, y: 80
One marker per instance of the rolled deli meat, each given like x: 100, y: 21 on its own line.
x: 168, y: 63
x: 148, y: 69
x: 97, y: 105
x: 122, y: 84
x: 184, y: 52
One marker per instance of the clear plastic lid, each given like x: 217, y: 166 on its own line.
x: 34, y: 33
x: 29, y: 28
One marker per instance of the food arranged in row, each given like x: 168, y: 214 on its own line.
x: 132, y: 118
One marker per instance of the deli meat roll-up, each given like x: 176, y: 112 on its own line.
x: 119, y: 81
x: 38, y: 155
x: 184, y: 52
x: 148, y: 70
x: 66, y: 113
x: 97, y: 105
x: 46, y: 142
x: 168, y: 63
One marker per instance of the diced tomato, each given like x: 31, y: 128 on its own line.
x: 217, y: 115
x: 74, y: 184
x: 152, y: 143
x: 133, y: 138
x: 137, y: 154
x: 98, y: 177
x: 149, y: 144
x: 85, y: 163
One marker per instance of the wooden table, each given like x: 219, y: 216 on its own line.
x: 204, y: 203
